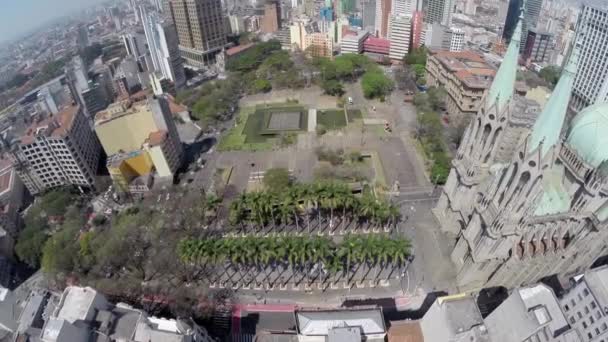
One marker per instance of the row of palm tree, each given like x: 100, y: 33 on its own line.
x: 297, y: 254
x: 302, y: 203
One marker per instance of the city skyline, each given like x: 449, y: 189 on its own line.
x: 18, y: 18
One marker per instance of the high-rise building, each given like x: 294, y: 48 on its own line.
x: 417, y: 29
x: 399, y: 36
x: 164, y: 49
x: 591, y: 84
x: 403, y: 7
x: 348, y: 6
x: 531, y: 13
x: 353, y: 42
x: 201, y: 29
x: 83, y: 36
x: 368, y: 14
x: 136, y: 46
x: 383, y: 9
x: 439, y: 11
x: 539, y: 46
x: 59, y: 150
x: 271, y: 22
x: 517, y: 196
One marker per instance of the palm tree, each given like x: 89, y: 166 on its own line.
x: 331, y: 199
x: 293, y: 197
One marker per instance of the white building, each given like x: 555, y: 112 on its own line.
x: 591, y: 83
x: 353, y: 43
x: 403, y: 7
x: 354, y: 325
x: 164, y: 49
x: 59, y: 150
x: 136, y: 46
x: 399, y: 35
x: 530, y: 314
x: 586, y: 305
x: 83, y: 315
x: 456, y: 40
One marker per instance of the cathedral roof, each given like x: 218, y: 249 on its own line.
x: 588, y: 134
x: 548, y: 126
x: 502, y: 88
x: 555, y: 198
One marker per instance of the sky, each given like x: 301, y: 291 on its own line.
x: 21, y: 16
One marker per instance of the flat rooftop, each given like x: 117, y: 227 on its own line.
x: 120, y: 109
x: 56, y: 125
x: 319, y: 323
x: 468, y: 66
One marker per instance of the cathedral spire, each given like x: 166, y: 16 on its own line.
x: 502, y: 88
x: 548, y: 125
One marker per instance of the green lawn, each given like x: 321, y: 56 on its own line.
x: 250, y: 133
x: 331, y: 119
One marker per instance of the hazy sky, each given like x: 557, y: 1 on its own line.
x: 20, y: 16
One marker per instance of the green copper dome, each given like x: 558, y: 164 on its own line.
x: 589, y: 134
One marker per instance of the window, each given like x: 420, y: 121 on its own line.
x: 593, y: 305
x: 572, y: 320
x: 604, y: 326
x: 572, y: 302
x: 585, y: 292
x: 584, y: 324
x: 579, y: 314
x: 597, y: 331
x: 586, y: 310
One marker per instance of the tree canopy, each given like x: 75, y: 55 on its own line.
x: 277, y: 179
x: 253, y: 57
x: 551, y: 74
x: 416, y: 56
x: 376, y: 84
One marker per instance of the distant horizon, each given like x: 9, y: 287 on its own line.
x: 21, y: 17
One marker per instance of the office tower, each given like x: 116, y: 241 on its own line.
x: 140, y: 140
x: 164, y: 49
x: 440, y: 11
x: 201, y: 29
x: 58, y: 150
x: 403, y: 7
x: 271, y: 22
x: 539, y: 46
x: 399, y: 36
x: 368, y: 14
x: 136, y: 46
x: 591, y: 84
x: 82, y: 40
x: 353, y: 42
x: 531, y: 12
x: 517, y: 195
x: 383, y: 9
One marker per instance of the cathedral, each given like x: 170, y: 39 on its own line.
x: 527, y: 196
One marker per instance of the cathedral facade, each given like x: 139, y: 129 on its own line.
x: 527, y: 197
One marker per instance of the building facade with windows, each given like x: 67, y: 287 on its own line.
x: 586, y: 305
x: 59, y: 150
x: 464, y: 75
x: 201, y: 29
x: 591, y: 83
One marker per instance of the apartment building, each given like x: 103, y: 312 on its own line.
x: 58, y: 150
x: 464, y: 75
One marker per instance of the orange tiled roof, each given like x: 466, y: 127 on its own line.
x: 156, y: 138
x: 60, y: 124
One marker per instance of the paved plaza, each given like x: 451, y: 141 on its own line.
x: 403, y: 169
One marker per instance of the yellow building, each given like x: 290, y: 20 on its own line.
x: 141, y: 141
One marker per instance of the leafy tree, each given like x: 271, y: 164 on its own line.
x: 416, y: 56
x: 277, y: 179
x: 376, y: 84
x: 333, y: 88
x: 551, y: 74
x: 261, y: 86
x: 252, y: 58
x: 436, y: 97
x: 419, y: 70
x: 31, y: 241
